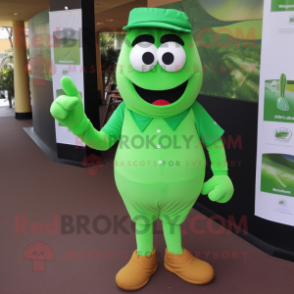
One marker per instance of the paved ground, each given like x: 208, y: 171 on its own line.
x: 42, y: 201
x: 5, y: 110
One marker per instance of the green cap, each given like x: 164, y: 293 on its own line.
x: 158, y: 18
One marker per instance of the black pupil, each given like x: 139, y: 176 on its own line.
x: 167, y: 58
x: 148, y: 58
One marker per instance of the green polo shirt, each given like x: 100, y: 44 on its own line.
x: 208, y: 130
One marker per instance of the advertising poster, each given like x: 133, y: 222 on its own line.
x: 40, y: 63
x: 228, y: 37
x: 274, y: 195
x: 67, y: 59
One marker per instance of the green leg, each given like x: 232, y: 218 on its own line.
x: 173, y: 238
x: 144, y: 238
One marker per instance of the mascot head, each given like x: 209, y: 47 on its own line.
x: 159, y: 71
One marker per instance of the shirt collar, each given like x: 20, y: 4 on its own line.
x: 143, y: 121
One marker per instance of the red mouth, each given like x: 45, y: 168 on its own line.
x: 160, y: 102
x: 161, y: 97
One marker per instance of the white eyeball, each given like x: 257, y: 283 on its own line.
x: 171, y: 56
x: 143, y: 56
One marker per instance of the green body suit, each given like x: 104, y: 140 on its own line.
x: 159, y: 166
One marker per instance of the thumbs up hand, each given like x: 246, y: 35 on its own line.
x: 68, y: 109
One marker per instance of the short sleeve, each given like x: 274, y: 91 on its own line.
x: 113, y: 126
x: 208, y: 129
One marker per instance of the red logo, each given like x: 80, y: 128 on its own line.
x: 92, y: 162
x: 38, y: 253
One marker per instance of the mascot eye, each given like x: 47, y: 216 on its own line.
x: 171, y: 56
x: 143, y: 56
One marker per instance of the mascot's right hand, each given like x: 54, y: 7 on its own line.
x: 68, y: 109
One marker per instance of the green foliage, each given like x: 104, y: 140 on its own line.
x: 282, y: 85
x: 7, y: 80
x: 6, y: 59
x: 7, y: 73
x: 110, y: 45
x: 109, y: 59
x: 108, y: 40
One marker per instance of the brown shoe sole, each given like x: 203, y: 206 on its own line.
x: 140, y: 286
x: 202, y: 282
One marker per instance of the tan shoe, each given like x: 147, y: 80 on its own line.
x: 137, y: 272
x: 188, y: 268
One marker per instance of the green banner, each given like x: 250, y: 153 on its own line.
x: 282, y: 5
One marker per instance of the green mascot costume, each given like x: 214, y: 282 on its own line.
x: 160, y: 163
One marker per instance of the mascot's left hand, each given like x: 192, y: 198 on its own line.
x: 219, y: 188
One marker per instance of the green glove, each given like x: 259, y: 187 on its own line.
x: 219, y: 188
x: 68, y: 109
